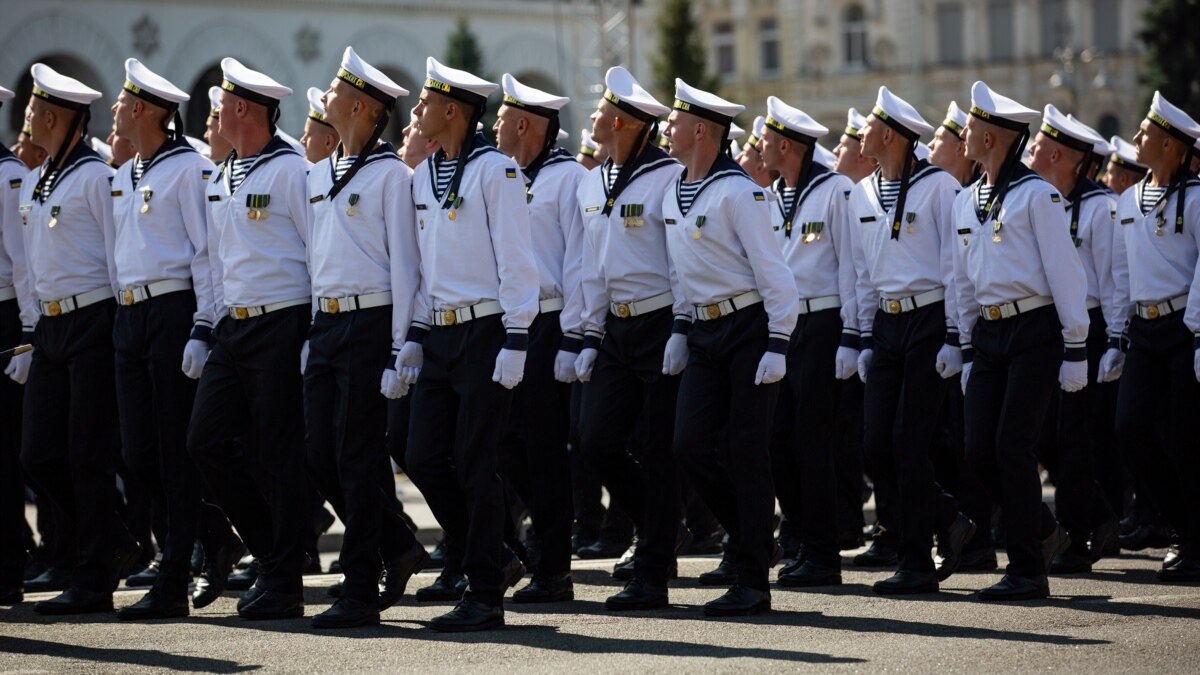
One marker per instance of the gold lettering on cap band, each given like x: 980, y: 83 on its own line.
x: 431, y: 83
x: 353, y: 79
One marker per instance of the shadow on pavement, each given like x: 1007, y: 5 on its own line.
x: 134, y: 657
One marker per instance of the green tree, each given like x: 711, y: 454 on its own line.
x: 1173, y: 50
x: 681, y: 51
x: 463, y: 52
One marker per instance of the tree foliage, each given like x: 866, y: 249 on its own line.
x: 1172, y: 40
x: 681, y: 51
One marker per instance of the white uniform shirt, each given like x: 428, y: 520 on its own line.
x: 921, y: 259
x: 627, y: 262
x: 1149, y: 268
x: 13, y: 270
x: 170, y: 239
x: 1093, y: 239
x: 260, y: 261
x: 364, y: 240
x: 485, y: 252
x: 819, y: 250
x: 1035, y: 256
x: 723, y: 246
x: 556, y: 226
x: 76, y: 255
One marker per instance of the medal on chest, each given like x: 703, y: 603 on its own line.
x: 353, y: 201
x: 54, y: 211
x: 455, y: 204
x: 257, y: 205
x: 699, y: 224
x: 1158, y: 225
x: 631, y: 215
x: 146, y: 194
x: 996, y: 232
x: 909, y: 218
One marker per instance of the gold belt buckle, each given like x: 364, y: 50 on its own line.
x: 994, y: 313
x: 893, y: 307
x: 623, y: 310
x: 53, y: 308
x: 127, y: 297
x: 332, y: 306
x: 449, y: 317
x: 241, y: 313
x: 1152, y: 312
x: 713, y: 311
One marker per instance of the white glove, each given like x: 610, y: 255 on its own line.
x: 966, y: 375
x: 564, y: 366
x: 864, y: 362
x: 584, y: 363
x: 195, y: 353
x: 510, y: 367
x: 949, y: 361
x: 845, y: 363
x: 18, y: 367
x: 408, y: 362
x: 1073, y: 376
x: 304, y: 357
x: 675, y: 354
x: 771, y: 368
x: 1111, y: 365
x: 391, y: 386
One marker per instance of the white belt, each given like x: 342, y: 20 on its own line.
x: 551, y: 305
x: 626, y: 310
x: 8, y: 293
x: 450, y: 317
x: 353, y: 302
x: 68, y: 305
x: 240, y: 313
x: 726, y: 307
x: 1160, y: 309
x: 1010, y: 309
x: 819, y: 304
x: 901, y: 305
x: 136, y: 294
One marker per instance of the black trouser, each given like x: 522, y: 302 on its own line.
x: 903, y: 396
x: 734, y: 478
x: 848, y: 457
x: 804, y: 436
x: 1157, y: 411
x: 247, y: 438
x: 1012, y: 380
x: 70, y: 451
x: 627, y: 395
x: 537, y: 435
x: 345, y: 422
x: 155, y: 401
x: 13, y: 552
x: 458, y: 419
x: 1070, y: 456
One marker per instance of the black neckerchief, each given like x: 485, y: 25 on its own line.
x: 911, y: 166
x: 722, y: 167
x: 361, y: 158
x: 918, y: 171
x: 474, y: 139
x: 1161, y: 204
x: 276, y: 147
x: 554, y: 156
x: 81, y: 154
x: 377, y: 153
x: 479, y: 148
x: 60, y: 160
x: 170, y: 148
x: 1083, y: 190
x: 649, y: 154
x: 1010, y: 171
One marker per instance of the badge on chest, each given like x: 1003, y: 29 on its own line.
x: 631, y: 215
x: 256, y: 206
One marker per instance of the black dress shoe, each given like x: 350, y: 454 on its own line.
x: 547, y: 589
x: 739, y: 601
x: 810, y: 573
x: 347, y: 613
x: 253, y: 593
x: 513, y: 572
x: 878, y: 555
x: 979, y: 560
x: 467, y: 616
x: 244, y: 579
x: 397, y: 573
x: 274, y: 605
x: 1172, y: 556
x: 602, y: 548
x: 214, y: 579
x: 437, y: 557
x: 154, y: 606
x: 638, y: 594
x: 1145, y: 536
x: 725, y: 573
x: 1103, y: 538
x: 707, y: 544
x: 1013, y: 587
x: 1055, y: 544
x: 448, y: 586
x: 12, y: 595
x: 1071, y: 561
x: 1186, y: 568
x: 53, y: 579
x: 76, y: 601
x: 144, y: 578
x: 907, y: 582
x: 951, y: 543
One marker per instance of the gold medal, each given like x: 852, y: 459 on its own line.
x: 53, y: 222
x: 353, y: 200
x: 1158, y: 232
x: 810, y: 238
x: 453, y: 215
x: 696, y: 234
x: 146, y: 194
x: 145, y: 208
x: 996, y: 239
x: 910, y: 229
x: 350, y: 211
x: 54, y: 210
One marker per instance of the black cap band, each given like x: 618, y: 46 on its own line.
x: 779, y: 128
x: 539, y: 110
x: 1004, y: 122
x: 457, y: 93
x: 701, y: 111
x: 1066, y: 139
x: 1171, y: 129
x: 365, y: 87
x: 887, y: 119
x: 626, y: 107
x: 149, y: 97
x: 59, y: 101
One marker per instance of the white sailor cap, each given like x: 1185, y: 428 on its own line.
x: 251, y: 84
x: 6, y: 95
x: 1174, y: 121
x: 735, y: 132
x: 316, y: 109
x: 623, y: 91
x: 824, y: 157
x: 368, y: 79
x: 899, y: 115
x: 792, y: 123
x: 561, y: 136
x: 854, y: 123
x: 198, y: 145
x: 956, y: 119
x: 101, y: 148
x: 704, y: 104
x: 1000, y: 110
x: 756, y: 131
x: 152, y: 87
x: 1125, y: 154
x: 587, y: 146
x: 1066, y: 131
x: 1101, y: 147
x: 214, y: 101
x: 457, y: 84
x: 290, y: 140
x: 531, y: 100
x: 54, y: 87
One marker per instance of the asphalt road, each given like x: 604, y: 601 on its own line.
x: 1116, y: 619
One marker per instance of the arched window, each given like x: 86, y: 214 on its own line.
x: 854, y: 37
x: 70, y: 66
x: 1110, y: 125
x: 199, y: 106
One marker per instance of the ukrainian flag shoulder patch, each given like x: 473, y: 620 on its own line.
x: 1055, y: 198
x: 759, y: 196
x: 14, y: 183
x: 206, y: 173
x: 510, y: 173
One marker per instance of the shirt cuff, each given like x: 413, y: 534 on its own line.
x: 517, y: 339
x: 202, y: 332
